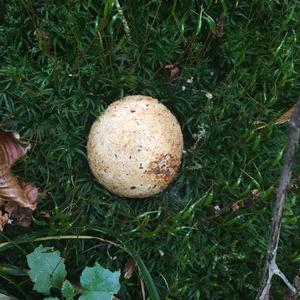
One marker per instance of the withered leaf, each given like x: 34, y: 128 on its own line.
x: 17, y: 199
x: 172, y: 70
x: 4, y: 219
x: 21, y: 216
x: 235, y: 206
x: 285, y: 117
x: 129, y: 268
x: 41, y: 34
x: 255, y: 193
x: 44, y: 39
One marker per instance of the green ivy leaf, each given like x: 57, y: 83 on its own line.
x: 99, y: 283
x: 68, y: 290
x: 51, y: 298
x: 47, y: 269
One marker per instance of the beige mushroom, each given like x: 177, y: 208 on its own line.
x: 135, y: 147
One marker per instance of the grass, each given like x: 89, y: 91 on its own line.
x: 87, y: 54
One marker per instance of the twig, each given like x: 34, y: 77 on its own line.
x: 271, y: 268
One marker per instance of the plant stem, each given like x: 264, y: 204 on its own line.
x: 69, y: 237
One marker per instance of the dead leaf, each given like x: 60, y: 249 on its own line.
x: 44, y: 39
x: 129, y: 268
x: 249, y: 201
x: 42, y: 35
x: 17, y: 199
x: 246, y: 202
x: 255, y: 193
x: 234, y: 206
x: 173, y: 71
x: 21, y: 216
x: 4, y: 219
x: 285, y: 117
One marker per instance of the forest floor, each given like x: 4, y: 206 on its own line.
x: 63, y: 62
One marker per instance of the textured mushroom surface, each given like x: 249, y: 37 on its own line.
x: 135, y: 147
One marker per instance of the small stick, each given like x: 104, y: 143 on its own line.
x: 271, y: 267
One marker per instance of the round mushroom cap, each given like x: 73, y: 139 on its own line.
x: 135, y: 147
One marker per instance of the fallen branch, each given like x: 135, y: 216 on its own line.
x: 271, y: 267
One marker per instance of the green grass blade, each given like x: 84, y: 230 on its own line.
x: 152, y: 290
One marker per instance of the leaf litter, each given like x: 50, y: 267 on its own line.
x: 17, y: 199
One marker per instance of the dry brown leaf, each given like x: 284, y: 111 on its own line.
x: 173, y: 71
x: 255, y: 193
x: 17, y: 199
x: 285, y: 117
x: 246, y: 202
x: 45, y: 39
x: 4, y: 219
x: 21, y: 216
x: 129, y: 268
x: 235, y: 206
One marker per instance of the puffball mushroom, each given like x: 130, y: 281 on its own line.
x: 135, y: 147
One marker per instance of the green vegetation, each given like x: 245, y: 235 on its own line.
x: 47, y: 270
x: 63, y: 62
